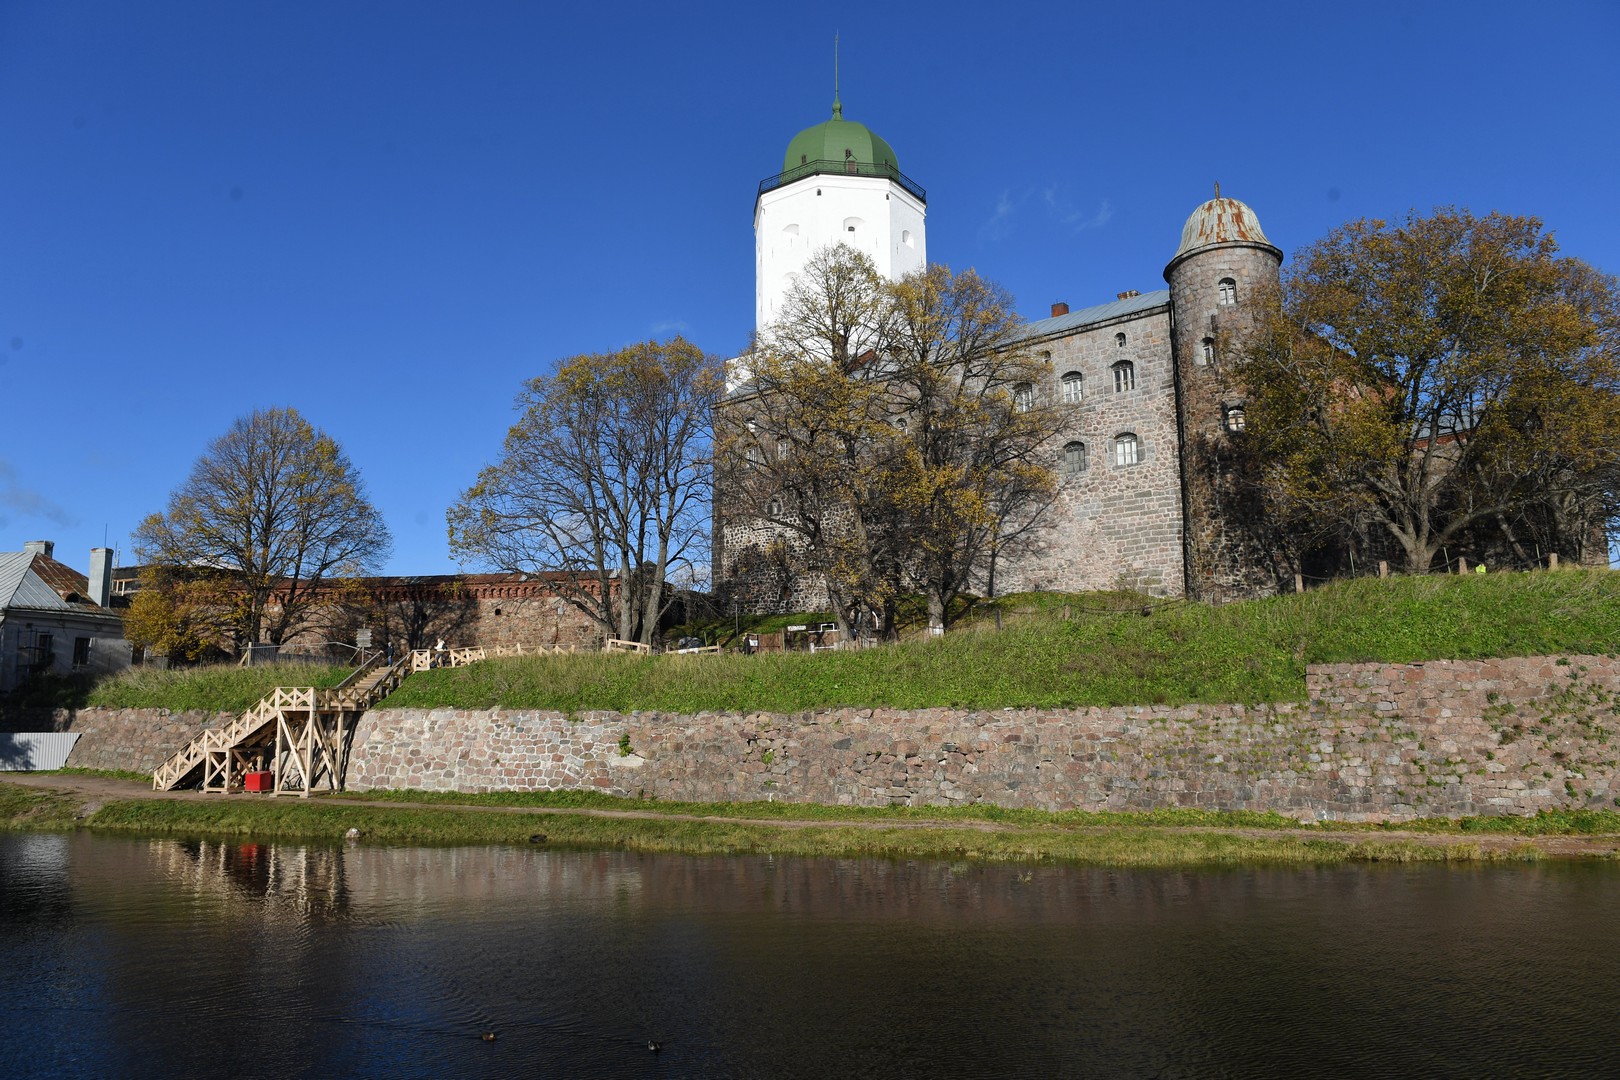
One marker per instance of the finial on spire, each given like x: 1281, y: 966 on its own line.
x: 838, y: 106
x: 1217, y: 189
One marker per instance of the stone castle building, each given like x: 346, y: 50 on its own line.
x: 1148, y: 407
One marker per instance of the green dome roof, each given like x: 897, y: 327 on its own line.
x: 833, y: 144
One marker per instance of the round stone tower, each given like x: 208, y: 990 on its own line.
x: 839, y: 183
x: 1223, y: 264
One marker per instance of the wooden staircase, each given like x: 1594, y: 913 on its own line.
x: 298, y: 734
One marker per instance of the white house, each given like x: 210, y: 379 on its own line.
x: 53, y: 619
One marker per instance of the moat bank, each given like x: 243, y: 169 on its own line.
x: 1372, y: 742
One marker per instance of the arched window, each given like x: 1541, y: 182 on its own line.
x: 1228, y: 295
x: 773, y: 508
x: 1124, y: 376
x: 1074, y: 458
x: 1074, y: 388
x: 1023, y: 397
x: 781, y: 449
x: 1125, y: 449
x: 1119, y: 339
x: 1207, y: 356
x: 1234, y: 418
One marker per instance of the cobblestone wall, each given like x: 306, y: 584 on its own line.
x: 1373, y: 742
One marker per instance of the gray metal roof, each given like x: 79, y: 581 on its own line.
x: 1074, y: 320
x: 20, y: 587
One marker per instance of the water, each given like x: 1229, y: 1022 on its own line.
x: 142, y: 957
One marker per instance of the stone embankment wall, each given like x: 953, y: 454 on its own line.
x: 1372, y: 742
x: 135, y: 739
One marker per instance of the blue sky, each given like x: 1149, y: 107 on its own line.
x: 389, y: 215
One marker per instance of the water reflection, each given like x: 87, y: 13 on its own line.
x: 149, y: 957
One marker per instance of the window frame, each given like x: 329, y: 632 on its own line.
x: 1124, y: 376
x: 1023, y: 397
x: 1073, y: 386
x: 1127, y: 444
x: 1076, y: 458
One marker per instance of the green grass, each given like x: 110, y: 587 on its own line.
x: 1124, y: 845
x: 36, y: 810
x: 1104, y: 653
x: 218, y: 688
x: 1154, y: 838
x: 1544, y: 823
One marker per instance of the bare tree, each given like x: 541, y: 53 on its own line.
x: 605, y: 477
x: 271, y: 512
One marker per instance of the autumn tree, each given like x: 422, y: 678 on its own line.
x: 890, y: 431
x: 807, y: 445
x: 184, y: 614
x: 1443, y: 378
x: 272, y: 512
x: 604, y: 477
x: 971, y: 475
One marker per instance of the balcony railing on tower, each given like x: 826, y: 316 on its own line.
x: 849, y: 167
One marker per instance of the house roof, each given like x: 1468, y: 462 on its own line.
x: 1074, y: 320
x: 37, y: 582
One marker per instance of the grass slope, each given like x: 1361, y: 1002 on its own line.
x: 1104, y: 654
x: 221, y: 688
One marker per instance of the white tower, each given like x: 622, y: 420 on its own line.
x: 839, y: 184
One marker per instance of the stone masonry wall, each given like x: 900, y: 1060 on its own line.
x: 1373, y: 742
x: 138, y: 740
x: 1111, y: 525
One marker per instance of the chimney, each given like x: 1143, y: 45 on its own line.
x: 1059, y: 308
x: 101, y: 575
x: 39, y: 547
x: 1128, y: 294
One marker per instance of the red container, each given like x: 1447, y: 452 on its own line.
x: 258, y: 781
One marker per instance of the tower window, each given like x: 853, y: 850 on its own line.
x: 1228, y: 295
x: 1023, y: 397
x: 804, y: 159
x: 1074, y: 388
x: 1234, y: 418
x: 1074, y: 458
x: 774, y: 508
x: 1124, y: 376
x: 1125, y: 449
x: 1119, y: 339
x: 1207, y: 356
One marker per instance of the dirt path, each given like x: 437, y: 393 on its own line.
x: 96, y: 791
